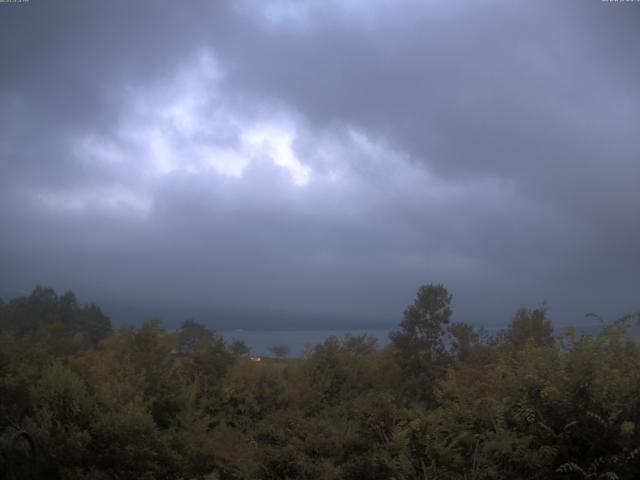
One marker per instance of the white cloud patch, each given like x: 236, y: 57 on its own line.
x: 188, y: 126
x: 225, y: 161
x: 276, y: 144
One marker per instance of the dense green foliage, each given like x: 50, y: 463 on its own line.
x: 442, y: 401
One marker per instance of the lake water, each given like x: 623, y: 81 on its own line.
x: 260, y: 341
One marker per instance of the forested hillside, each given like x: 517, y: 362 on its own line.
x: 443, y: 401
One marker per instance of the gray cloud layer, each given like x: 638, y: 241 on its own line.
x: 325, y: 157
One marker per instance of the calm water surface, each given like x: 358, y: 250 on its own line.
x: 260, y: 341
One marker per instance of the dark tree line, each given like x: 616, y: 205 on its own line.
x: 444, y: 400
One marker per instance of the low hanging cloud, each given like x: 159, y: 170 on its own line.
x: 323, y: 158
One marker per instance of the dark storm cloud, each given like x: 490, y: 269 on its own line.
x: 323, y: 157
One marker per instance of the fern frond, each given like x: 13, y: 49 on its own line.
x: 571, y: 467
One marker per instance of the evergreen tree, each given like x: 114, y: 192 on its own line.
x: 419, y: 346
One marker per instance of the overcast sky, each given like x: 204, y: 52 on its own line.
x: 323, y: 157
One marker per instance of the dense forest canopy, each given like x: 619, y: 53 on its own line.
x: 444, y: 400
